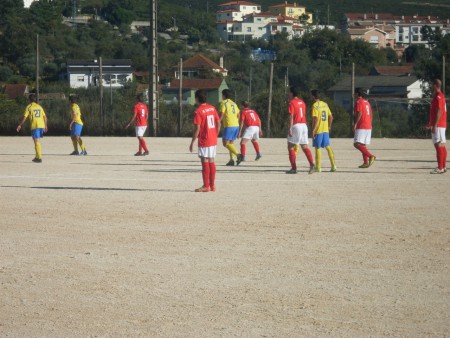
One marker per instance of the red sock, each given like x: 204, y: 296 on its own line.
x: 309, y: 156
x: 140, y: 146
x: 205, y: 174
x: 144, y: 145
x: 256, y: 146
x: 444, y: 160
x: 438, y: 155
x: 212, y: 174
x: 292, y: 157
x: 366, y: 154
x: 243, y: 149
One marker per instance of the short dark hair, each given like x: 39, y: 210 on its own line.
x: 245, y: 104
x: 72, y: 99
x: 315, y: 93
x: 437, y: 83
x: 140, y: 97
x: 32, y: 97
x: 226, y: 93
x: 293, y: 90
x: 201, y: 96
x: 360, y: 92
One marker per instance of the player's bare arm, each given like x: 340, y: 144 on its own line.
x: 330, y: 122
x: 438, y: 117
x: 74, y: 117
x: 314, y: 128
x: 45, y: 123
x: 291, y: 124
x: 358, y: 117
x: 241, y: 127
x: 21, y: 123
x: 195, y: 135
x: 131, y: 121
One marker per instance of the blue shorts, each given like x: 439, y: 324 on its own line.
x: 37, y: 133
x: 321, y: 140
x: 76, y: 129
x: 230, y: 133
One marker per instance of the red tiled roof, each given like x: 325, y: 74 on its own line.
x: 16, y: 90
x: 238, y: 3
x: 200, y: 61
x: 369, y: 16
x: 197, y: 83
x: 287, y: 5
x: 394, y: 70
x: 228, y: 11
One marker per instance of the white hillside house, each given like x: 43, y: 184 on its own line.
x: 86, y: 73
x: 236, y: 10
x: 27, y: 3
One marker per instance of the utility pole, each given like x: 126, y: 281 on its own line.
x: 37, y: 68
x: 74, y: 14
x: 250, y: 86
x: 102, y: 117
x: 443, y: 74
x: 180, y: 100
x: 153, y: 87
x: 269, y: 111
x: 353, y: 98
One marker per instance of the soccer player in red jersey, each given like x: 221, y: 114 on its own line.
x: 363, y: 128
x: 206, y: 129
x: 298, y: 131
x: 140, y: 116
x: 251, y: 122
x: 438, y: 125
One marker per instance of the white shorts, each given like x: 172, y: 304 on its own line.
x: 299, y: 134
x: 439, y: 137
x: 251, y: 133
x: 140, y: 131
x: 363, y: 136
x: 207, y: 152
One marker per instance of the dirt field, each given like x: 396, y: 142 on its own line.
x: 114, y: 245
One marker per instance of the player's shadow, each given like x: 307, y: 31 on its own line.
x: 408, y: 161
x: 96, y: 189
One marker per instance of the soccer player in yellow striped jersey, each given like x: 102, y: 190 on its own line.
x: 38, y: 121
x: 76, y: 127
x: 322, y: 121
x: 229, y: 116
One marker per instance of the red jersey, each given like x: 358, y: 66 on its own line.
x: 438, y: 102
x: 363, y: 107
x: 297, y: 108
x: 250, y: 117
x: 206, y: 116
x: 141, y: 113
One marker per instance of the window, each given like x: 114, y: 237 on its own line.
x: 374, y: 39
x: 249, y: 29
x: 284, y: 29
x: 258, y: 19
x: 260, y: 28
x: 80, y: 78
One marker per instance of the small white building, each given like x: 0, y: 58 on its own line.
x: 86, y: 73
x: 27, y: 3
x: 236, y: 10
x: 408, y: 29
x: 262, y: 25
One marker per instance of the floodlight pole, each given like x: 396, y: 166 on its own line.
x: 353, y: 98
x: 102, y: 115
x: 153, y: 72
x: 37, y: 68
x: 443, y: 74
x: 180, y: 99
x: 269, y: 111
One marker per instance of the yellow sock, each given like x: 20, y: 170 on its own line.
x: 38, y: 148
x: 318, y: 158
x: 232, y: 149
x: 81, y: 143
x: 331, y: 155
x: 75, y: 145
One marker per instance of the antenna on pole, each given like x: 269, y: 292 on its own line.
x: 269, y: 112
